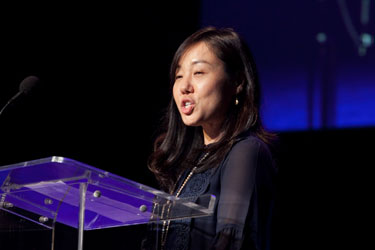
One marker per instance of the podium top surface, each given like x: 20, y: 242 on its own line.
x: 49, y: 190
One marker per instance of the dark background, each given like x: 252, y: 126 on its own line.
x: 104, y: 85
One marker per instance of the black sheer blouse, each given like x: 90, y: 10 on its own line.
x: 243, y: 186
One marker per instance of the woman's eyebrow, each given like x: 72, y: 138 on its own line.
x: 200, y: 61
x: 194, y: 62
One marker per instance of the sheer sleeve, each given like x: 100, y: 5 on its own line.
x: 243, y: 175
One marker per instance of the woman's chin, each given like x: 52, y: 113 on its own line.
x: 190, y: 122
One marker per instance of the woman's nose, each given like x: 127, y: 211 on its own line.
x: 186, y: 86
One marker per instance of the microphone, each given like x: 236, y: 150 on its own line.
x: 25, y: 88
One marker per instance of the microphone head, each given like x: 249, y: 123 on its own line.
x: 28, y: 84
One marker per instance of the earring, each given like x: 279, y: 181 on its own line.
x: 236, y: 101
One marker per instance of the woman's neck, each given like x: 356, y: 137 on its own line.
x: 210, y: 136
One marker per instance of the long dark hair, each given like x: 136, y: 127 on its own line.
x: 178, y: 146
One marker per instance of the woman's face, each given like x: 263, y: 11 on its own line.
x: 202, y: 91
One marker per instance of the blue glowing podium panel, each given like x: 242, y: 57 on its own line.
x: 56, y: 189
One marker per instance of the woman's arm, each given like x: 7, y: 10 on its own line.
x: 243, y: 174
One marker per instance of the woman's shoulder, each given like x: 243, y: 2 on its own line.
x: 250, y: 141
x: 248, y: 156
x: 248, y: 148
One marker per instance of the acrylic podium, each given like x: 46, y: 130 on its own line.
x: 61, y: 190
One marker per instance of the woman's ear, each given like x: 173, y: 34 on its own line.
x: 239, y: 88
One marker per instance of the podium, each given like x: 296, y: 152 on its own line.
x: 61, y: 190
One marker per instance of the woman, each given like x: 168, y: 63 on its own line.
x: 214, y: 143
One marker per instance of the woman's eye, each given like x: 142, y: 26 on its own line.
x: 178, y: 76
x: 198, y: 73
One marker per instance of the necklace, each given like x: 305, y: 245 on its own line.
x: 166, y: 223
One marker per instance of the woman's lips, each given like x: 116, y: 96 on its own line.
x: 187, y: 106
